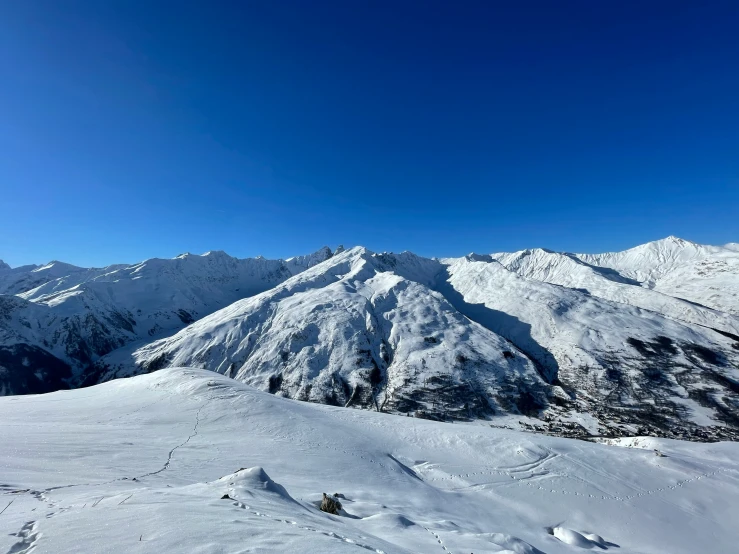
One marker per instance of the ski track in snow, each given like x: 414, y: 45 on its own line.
x: 171, y: 452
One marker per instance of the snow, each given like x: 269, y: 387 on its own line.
x: 569, y: 344
x: 569, y: 271
x: 707, y: 275
x: 143, y: 465
x: 336, y: 331
x: 78, y: 314
x: 593, y: 345
x: 465, y: 338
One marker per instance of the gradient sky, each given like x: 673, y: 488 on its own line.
x: 137, y: 129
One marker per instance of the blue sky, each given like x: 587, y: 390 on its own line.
x: 137, y: 129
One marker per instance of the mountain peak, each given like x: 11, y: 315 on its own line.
x: 3, y: 265
x: 673, y: 240
x: 218, y: 254
x: 299, y: 263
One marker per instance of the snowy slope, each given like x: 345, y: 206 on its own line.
x: 144, y: 464
x: 622, y: 365
x: 22, y: 279
x: 78, y: 315
x: 569, y: 271
x: 707, y: 275
x: 351, y: 331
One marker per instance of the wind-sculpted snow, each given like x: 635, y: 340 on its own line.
x: 346, y: 332
x: 185, y: 460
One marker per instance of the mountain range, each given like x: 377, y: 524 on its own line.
x: 644, y: 341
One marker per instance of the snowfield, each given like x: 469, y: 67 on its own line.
x: 186, y: 460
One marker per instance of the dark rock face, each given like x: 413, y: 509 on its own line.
x: 26, y: 369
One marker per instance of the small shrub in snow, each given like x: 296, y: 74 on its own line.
x: 330, y: 504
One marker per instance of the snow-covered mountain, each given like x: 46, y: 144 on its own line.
x: 22, y: 279
x: 389, y: 330
x: 626, y: 367
x: 707, y: 275
x: 74, y: 315
x: 568, y: 270
x: 569, y: 344
x: 189, y: 461
x: 348, y: 332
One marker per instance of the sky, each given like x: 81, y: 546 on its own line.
x: 131, y: 130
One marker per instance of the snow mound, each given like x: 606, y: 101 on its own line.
x: 581, y: 540
x: 246, y: 480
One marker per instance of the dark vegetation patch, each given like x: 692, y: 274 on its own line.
x: 185, y: 317
x: 528, y: 404
x: 160, y: 362
x: 27, y: 369
x: 706, y: 355
x: 639, y: 393
x: 660, y: 346
x: 275, y: 383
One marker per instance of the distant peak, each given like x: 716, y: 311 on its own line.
x: 479, y: 257
x: 673, y: 240
x: 676, y: 240
x: 309, y: 260
x: 58, y: 266
x: 3, y: 265
x: 216, y: 254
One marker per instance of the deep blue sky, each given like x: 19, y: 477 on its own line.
x: 136, y: 129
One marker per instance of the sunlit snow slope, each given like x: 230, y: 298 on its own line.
x: 155, y: 464
x: 707, y: 275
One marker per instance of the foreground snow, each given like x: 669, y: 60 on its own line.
x: 143, y: 464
